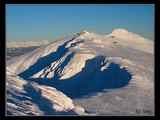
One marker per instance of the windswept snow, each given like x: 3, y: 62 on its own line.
x: 29, y: 98
x: 106, y: 75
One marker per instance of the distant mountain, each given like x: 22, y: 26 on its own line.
x: 84, y: 64
x: 26, y: 44
x: 14, y: 49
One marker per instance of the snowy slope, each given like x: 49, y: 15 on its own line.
x: 29, y: 98
x: 109, y: 71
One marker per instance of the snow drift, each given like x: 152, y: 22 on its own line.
x: 29, y: 98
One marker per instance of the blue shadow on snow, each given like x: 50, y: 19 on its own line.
x: 89, y: 80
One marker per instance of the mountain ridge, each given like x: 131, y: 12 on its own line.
x: 81, y: 65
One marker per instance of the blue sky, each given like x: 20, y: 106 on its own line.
x: 34, y: 22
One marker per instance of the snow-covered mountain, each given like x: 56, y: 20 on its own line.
x: 107, y: 70
x: 132, y: 40
x: 124, y: 34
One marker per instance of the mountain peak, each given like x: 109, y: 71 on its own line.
x: 83, y: 32
x: 120, y: 31
x: 124, y: 34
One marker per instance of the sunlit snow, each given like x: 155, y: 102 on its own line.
x: 84, y: 74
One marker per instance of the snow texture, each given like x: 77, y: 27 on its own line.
x: 29, y: 98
